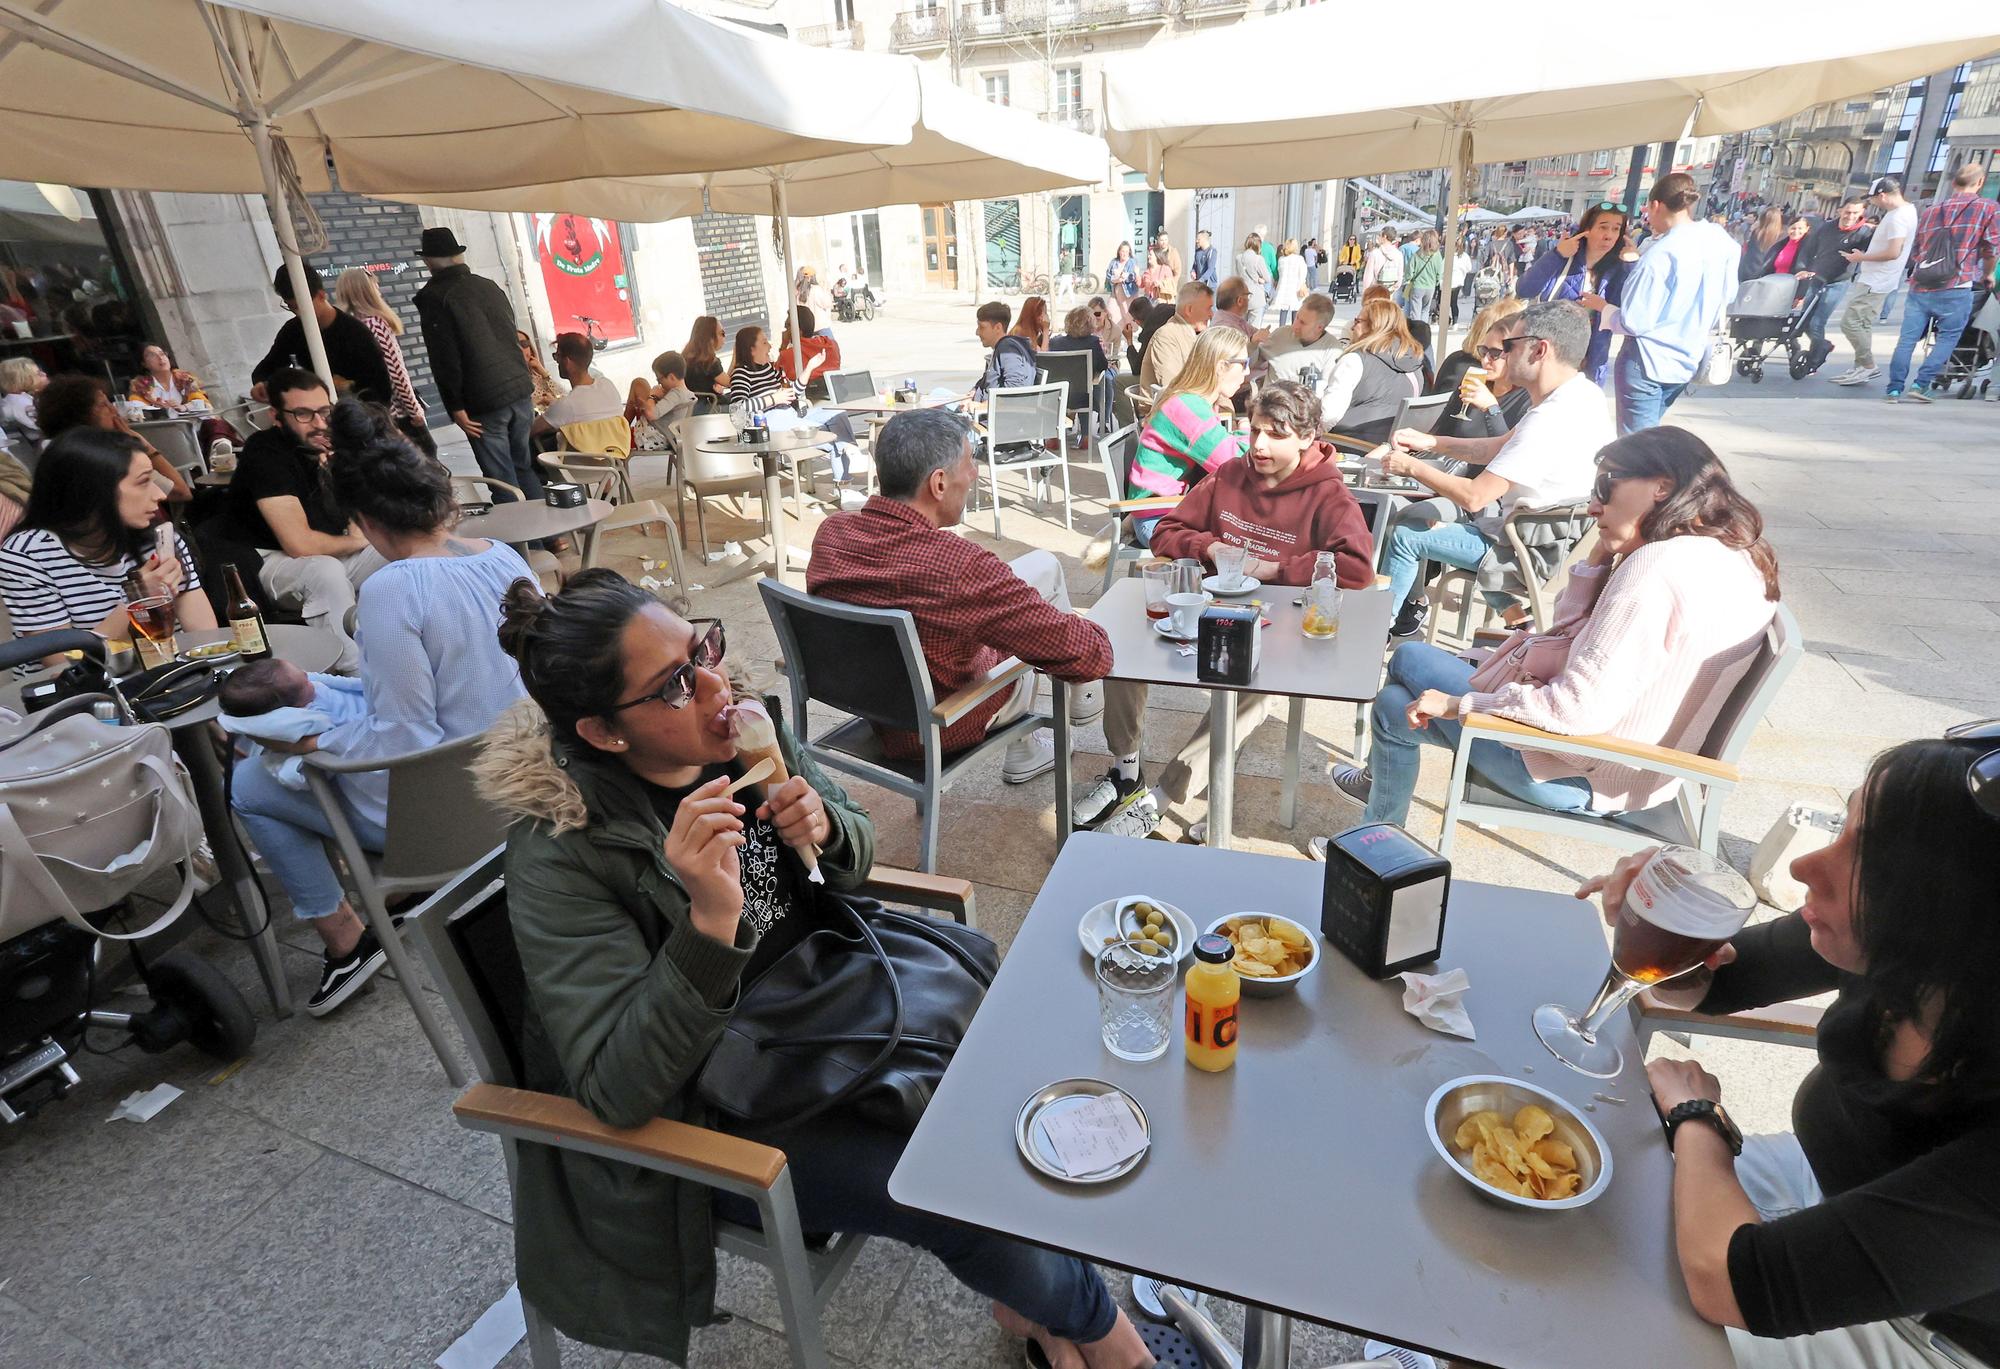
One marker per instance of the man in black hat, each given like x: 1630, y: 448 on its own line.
x: 480, y: 373
x: 351, y: 353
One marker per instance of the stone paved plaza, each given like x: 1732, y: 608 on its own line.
x: 317, y: 1206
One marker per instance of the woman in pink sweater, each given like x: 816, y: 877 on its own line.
x: 1650, y: 635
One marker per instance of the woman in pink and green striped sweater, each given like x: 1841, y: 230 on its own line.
x: 1188, y: 437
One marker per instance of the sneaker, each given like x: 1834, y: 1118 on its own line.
x: 1381, y: 1352
x: 1316, y: 848
x: 1029, y: 758
x: 1860, y: 375
x: 1410, y: 622
x: 1138, y: 818
x: 340, y: 979
x: 1916, y: 394
x: 1846, y: 377
x: 1351, y: 780
x: 1892, y: 397
x: 1086, y: 704
x: 1104, y: 798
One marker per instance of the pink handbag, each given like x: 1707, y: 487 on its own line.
x: 1526, y: 657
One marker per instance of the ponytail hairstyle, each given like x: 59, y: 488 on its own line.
x: 570, y: 646
x: 1705, y: 501
x: 378, y: 474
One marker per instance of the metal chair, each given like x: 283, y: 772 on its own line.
x: 1693, y: 817
x: 605, y: 442
x: 1072, y: 370
x: 842, y: 387
x: 421, y: 853
x: 465, y: 488
x: 707, y: 475
x: 1024, y: 420
x: 1115, y: 454
x: 177, y: 439
x: 1422, y: 412
x: 597, y: 482
x: 1525, y: 531
x: 868, y: 664
x: 467, y: 944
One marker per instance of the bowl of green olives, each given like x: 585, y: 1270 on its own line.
x: 1140, y: 918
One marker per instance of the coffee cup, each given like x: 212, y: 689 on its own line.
x: 1229, y: 562
x: 1185, y: 612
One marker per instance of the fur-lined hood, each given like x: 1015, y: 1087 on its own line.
x: 525, y: 771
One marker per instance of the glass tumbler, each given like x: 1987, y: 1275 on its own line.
x: 1135, y: 999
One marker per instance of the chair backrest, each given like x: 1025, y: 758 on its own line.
x: 1072, y: 371
x: 1115, y: 454
x: 598, y: 481
x: 697, y: 466
x: 1753, y: 695
x: 599, y: 436
x: 1031, y: 414
x: 465, y: 487
x: 422, y: 786
x: 862, y: 661
x: 176, y: 440
x: 1378, y: 507
x: 1143, y: 400
x: 1422, y: 412
x: 842, y: 386
x: 467, y: 944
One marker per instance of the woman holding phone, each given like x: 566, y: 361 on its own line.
x: 1588, y: 265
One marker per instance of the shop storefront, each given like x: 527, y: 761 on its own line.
x: 66, y: 296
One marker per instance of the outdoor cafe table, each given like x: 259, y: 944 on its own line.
x: 308, y: 648
x: 520, y: 523
x: 1348, y: 667
x: 1302, y: 1181
x: 772, y: 455
x: 886, y: 403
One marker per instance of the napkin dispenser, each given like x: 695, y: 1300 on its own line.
x: 1384, y: 898
x: 754, y: 436
x: 562, y: 495
x: 1229, y: 645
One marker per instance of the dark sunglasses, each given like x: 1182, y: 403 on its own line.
x: 1982, y: 776
x: 1489, y: 353
x: 679, y: 686
x: 1616, y: 208
x: 1507, y: 343
x: 1606, y: 480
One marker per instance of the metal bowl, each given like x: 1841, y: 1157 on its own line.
x: 1460, y: 1098
x: 1284, y: 983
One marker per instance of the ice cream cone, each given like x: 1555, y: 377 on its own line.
x: 756, y: 738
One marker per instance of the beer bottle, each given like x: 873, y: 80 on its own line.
x: 246, y: 621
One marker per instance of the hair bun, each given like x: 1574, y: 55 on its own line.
x: 521, y: 609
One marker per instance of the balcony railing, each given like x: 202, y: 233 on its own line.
x: 920, y: 29
x: 985, y: 20
x: 832, y: 35
x: 1082, y: 120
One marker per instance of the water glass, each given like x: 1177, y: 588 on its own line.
x: 1159, y: 584
x: 1229, y: 563
x: 1135, y: 999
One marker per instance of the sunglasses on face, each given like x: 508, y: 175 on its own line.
x: 1982, y: 776
x: 1606, y: 482
x: 679, y: 686
x: 1507, y: 344
x: 1489, y: 353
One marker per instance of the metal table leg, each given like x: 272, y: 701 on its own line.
x: 1065, y: 782
x: 1267, y: 1339
x: 774, y: 510
x: 205, y: 770
x: 1221, y: 767
x: 1295, y: 735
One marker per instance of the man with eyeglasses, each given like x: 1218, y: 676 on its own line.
x: 351, y: 353
x: 280, y: 504
x: 1549, y: 459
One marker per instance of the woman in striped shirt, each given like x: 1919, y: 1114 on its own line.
x: 357, y: 293
x: 753, y: 380
x: 87, y: 528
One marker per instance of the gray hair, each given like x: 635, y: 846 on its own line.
x: 914, y: 444
x: 1317, y: 304
x: 1561, y: 324
x: 1192, y: 293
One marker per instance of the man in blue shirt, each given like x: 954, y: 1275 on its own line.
x: 1674, y: 298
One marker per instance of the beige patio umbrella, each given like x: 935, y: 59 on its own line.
x: 1493, y: 93
x: 248, y: 95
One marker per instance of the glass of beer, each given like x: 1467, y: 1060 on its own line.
x: 1682, y: 907
x: 153, y: 630
x: 1160, y: 578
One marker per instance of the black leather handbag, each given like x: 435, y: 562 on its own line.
x: 167, y: 691
x: 864, y: 1014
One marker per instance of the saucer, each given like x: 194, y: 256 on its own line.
x: 1213, y: 584
x: 1165, y: 627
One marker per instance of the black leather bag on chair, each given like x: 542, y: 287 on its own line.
x: 865, y: 1014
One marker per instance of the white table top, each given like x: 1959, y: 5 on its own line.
x: 531, y: 520
x: 888, y: 404
x: 1303, y: 1179
x: 1348, y: 666
x: 781, y: 440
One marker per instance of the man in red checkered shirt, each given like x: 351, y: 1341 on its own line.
x: 1958, y: 240
x: 972, y: 609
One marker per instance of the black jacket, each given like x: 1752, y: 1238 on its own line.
x: 350, y: 351
x: 469, y: 333
x: 1820, y: 252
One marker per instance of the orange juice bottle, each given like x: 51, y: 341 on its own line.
x: 1213, y: 988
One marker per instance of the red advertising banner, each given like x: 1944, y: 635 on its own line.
x: 584, y: 271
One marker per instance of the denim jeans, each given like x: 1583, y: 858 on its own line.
x: 287, y: 824
x: 1413, y: 668
x: 1642, y: 401
x: 1455, y: 544
x: 503, y: 451
x: 1830, y: 299
x: 1952, y: 309
x: 1419, y: 308
x: 840, y: 1170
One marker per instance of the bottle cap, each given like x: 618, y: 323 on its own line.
x: 105, y: 711
x: 1214, y: 948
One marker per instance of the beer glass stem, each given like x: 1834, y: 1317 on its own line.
x: 1612, y: 996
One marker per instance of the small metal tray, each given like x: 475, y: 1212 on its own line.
x: 1068, y: 1093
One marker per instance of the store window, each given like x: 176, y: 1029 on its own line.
x: 1072, y: 233
x: 1003, y: 244
x: 65, y: 297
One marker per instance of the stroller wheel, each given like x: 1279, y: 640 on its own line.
x: 1757, y: 375
x: 1743, y: 366
x: 218, y: 1021
x: 1801, y: 366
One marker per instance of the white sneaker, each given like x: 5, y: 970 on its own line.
x: 1860, y: 375
x: 1086, y: 703
x: 1138, y: 818
x: 1104, y: 797
x: 1846, y: 377
x: 1028, y: 758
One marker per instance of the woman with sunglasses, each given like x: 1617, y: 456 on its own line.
x: 430, y: 672
x: 1650, y: 634
x: 642, y: 896
x: 1590, y: 262
x: 1867, y: 1237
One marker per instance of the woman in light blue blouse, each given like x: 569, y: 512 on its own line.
x: 431, y: 670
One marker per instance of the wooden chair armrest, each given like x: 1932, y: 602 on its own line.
x: 1652, y: 757
x: 952, y: 707
x: 922, y: 890
x: 549, y: 1120
x: 1352, y: 444
x: 1779, y: 1019
x: 1145, y: 503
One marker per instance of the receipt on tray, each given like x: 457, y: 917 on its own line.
x: 1092, y: 1136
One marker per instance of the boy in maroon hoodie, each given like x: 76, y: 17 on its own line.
x: 1285, y: 502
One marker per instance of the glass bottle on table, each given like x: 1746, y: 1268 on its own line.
x: 246, y: 621
x: 1213, y: 991
x: 1321, y: 619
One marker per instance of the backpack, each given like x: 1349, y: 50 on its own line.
x: 1486, y: 286
x: 89, y: 811
x: 1936, y: 267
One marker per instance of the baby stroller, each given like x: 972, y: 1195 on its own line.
x: 1343, y: 284
x: 1768, y: 313
x: 1975, y: 350
x: 92, y: 809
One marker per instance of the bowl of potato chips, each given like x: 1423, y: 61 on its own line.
x: 1273, y: 953
x: 1516, y: 1143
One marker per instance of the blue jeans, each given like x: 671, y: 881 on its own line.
x: 840, y: 1170
x: 287, y: 825
x: 503, y: 451
x: 1952, y: 309
x: 1413, y: 668
x: 1830, y: 299
x: 1455, y: 544
x: 1641, y: 400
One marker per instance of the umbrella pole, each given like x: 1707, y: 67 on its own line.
x: 780, y: 206
x: 1461, y: 177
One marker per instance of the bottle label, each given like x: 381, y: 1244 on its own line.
x: 247, y: 635
x: 1211, y: 1027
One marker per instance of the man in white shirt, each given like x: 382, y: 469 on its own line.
x: 1549, y: 459
x: 1877, y: 273
x: 1303, y: 350
x: 591, y: 395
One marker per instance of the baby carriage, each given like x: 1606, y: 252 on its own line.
x: 1768, y: 313
x: 1343, y: 284
x: 92, y: 810
x: 1969, y: 367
